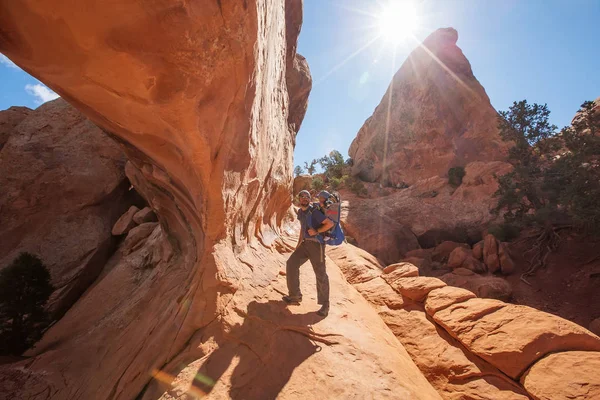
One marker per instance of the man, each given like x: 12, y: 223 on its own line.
x: 309, y: 247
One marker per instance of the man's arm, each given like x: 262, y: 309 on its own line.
x: 325, y: 225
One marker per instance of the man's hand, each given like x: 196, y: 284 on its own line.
x: 312, y: 232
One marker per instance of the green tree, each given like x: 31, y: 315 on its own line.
x: 298, y: 170
x: 24, y: 290
x: 333, y: 164
x: 573, y: 179
x: 311, y: 168
x: 527, y: 127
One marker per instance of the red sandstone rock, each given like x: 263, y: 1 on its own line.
x: 507, y: 265
x: 439, y: 299
x: 428, y: 133
x: 62, y: 187
x: 512, y: 337
x: 144, y: 215
x: 125, y: 223
x: 568, y: 375
x: 489, y: 287
x: 443, y: 250
x: 451, y: 368
x: 417, y: 288
x: 490, y: 253
x: 478, y: 250
x: 458, y: 256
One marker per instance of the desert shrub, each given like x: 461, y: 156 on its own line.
x: 317, y: 184
x: 24, y: 290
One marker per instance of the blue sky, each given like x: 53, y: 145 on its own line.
x: 545, y: 51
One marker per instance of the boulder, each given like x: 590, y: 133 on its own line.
x: 478, y: 250
x: 507, y: 265
x: 458, y: 256
x: 399, y: 271
x: 568, y: 375
x: 125, y: 223
x: 489, y: 287
x: 378, y: 292
x: 452, y: 369
x: 443, y: 250
x: 474, y: 265
x: 137, y: 235
x: 439, y: 299
x: 490, y: 253
x: 402, y: 270
x: 146, y: 214
x: 512, y: 337
x: 416, y: 288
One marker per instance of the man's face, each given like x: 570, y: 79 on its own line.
x: 304, y: 199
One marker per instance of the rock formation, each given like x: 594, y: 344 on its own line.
x: 200, y: 96
x: 63, y: 187
x: 204, y: 102
x: 435, y: 115
x: 475, y: 348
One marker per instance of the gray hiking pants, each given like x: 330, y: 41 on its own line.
x: 315, y: 252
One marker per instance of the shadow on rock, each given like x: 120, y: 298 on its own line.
x: 265, y: 350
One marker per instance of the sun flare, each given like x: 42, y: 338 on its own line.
x: 398, y: 20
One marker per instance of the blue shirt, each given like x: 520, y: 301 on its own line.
x: 316, y: 219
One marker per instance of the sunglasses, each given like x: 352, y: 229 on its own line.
x: 303, y: 196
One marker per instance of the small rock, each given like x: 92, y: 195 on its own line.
x: 146, y: 214
x: 478, y: 251
x: 125, y: 223
x: 507, y: 265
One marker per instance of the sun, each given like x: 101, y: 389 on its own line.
x: 398, y: 20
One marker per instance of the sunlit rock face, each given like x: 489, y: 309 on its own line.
x: 197, y: 94
x: 435, y: 115
x: 206, y: 98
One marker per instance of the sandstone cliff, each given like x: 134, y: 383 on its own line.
x: 435, y: 115
x: 199, y: 95
x: 206, y: 100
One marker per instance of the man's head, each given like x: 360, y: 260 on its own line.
x: 304, y: 198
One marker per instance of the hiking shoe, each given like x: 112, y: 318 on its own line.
x: 292, y: 300
x: 323, y: 311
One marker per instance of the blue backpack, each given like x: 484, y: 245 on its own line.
x: 332, y: 210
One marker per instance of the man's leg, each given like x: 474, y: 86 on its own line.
x: 292, y: 270
x: 317, y: 259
